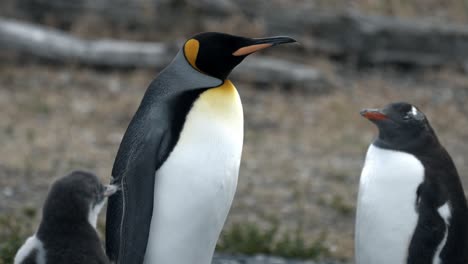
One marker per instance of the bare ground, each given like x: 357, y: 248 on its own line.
x: 302, y: 152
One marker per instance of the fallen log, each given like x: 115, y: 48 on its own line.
x: 362, y: 38
x: 59, y: 46
x: 272, y: 71
x: 374, y: 39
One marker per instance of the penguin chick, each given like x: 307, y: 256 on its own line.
x: 67, y: 232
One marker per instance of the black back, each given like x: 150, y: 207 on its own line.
x: 65, y: 232
x: 409, y: 131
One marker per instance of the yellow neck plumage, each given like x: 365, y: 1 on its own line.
x: 222, y: 101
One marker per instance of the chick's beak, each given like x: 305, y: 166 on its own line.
x: 110, y: 190
x: 262, y: 43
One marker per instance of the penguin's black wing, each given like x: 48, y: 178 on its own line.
x: 456, y: 246
x: 129, y: 211
x: 149, y: 139
x: 441, y: 185
x: 430, y: 228
x: 455, y: 249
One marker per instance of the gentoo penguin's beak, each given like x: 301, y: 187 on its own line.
x: 110, y: 190
x: 373, y: 114
x: 262, y: 43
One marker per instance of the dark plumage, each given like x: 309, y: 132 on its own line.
x: 67, y: 231
x: 203, y: 64
x: 404, y: 128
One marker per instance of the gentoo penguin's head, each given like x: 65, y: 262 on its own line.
x: 216, y: 54
x: 79, y: 196
x: 400, y: 123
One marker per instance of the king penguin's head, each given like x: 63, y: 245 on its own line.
x: 216, y: 54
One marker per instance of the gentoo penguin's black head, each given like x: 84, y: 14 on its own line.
x: 400, y: 125
x: 216, y: 54
x: 77, y: 197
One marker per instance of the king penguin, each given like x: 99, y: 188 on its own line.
x: 179, y: 159
x: 67, y: 232
x: 411, y: 206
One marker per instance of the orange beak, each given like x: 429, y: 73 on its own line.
x: 373, y: 114
x: 262, y: 43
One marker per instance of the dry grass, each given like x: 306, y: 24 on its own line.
x: 302, y: 153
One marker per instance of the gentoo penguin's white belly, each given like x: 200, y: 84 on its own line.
x: 195, y: 187
x: 386, y: 211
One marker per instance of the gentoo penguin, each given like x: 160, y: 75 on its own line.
x: 179, y: 158
x: 411, y: 206
x: 67, y: 232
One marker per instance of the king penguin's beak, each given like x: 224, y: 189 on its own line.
x: 110, y: 190
x: 262, y: 43
x: 373, y: 114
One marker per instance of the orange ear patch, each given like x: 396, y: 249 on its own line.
x: 251, y: 49
x: 191, y: 51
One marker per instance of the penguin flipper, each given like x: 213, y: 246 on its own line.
x: 454, y: 250
x: 113, y: 222
x: 130, y: 211
x: 431, y: 228
x: 446, y: 218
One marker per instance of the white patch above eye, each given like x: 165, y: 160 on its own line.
x: 414, y: 111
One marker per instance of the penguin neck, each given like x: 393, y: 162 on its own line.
x: 411, y: 143
x: 66, y: 216
x: 181, y: 76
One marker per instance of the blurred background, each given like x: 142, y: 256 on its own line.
x: 72, y: 74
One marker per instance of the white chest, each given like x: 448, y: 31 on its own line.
x: 195, y: 187
x: 386, y: 211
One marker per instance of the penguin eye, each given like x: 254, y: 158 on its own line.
x: 413, y: 111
